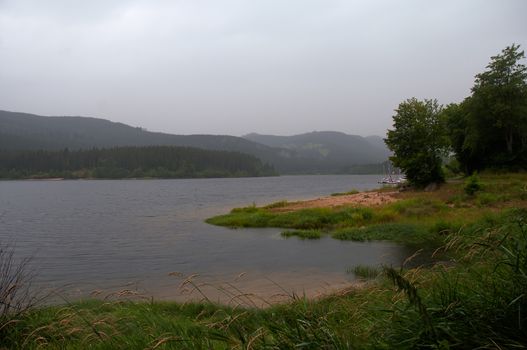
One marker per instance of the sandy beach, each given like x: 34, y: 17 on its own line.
x: 369, y: 199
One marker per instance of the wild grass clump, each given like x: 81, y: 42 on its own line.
x: 477, y: 303
x: 16, y: 295
x: 472, y: 184
x: 419, y: 207
x: 121, y: 325
x: 459, y: 200
x: 483, y: 199
x: 302, y: 234
x: 445, y: 227
x: 249, y: 209
x: 366, y: 272
x: 243, y: 217
x: 396, y: 232
x: 301, y: 323
x: 350, y: 192
x: 275, y: 205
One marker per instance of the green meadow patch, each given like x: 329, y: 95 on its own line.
x: 305, y: 219
x: 396, y: 232
x: 405, y: 221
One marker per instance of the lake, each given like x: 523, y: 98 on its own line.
x: 146, y: 236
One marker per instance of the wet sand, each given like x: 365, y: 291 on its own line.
x: 245, y: 289
x: 369, y: 199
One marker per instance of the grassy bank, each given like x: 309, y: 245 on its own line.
x: 475, y: 297
x: 416, y: 218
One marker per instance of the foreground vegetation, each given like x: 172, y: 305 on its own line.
x: 130, y: 162
x: 473, y: 297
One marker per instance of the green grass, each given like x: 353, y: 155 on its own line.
x: 346, y: 223
x: 302, y: 234
x: 305, y: 219
x: 396, y: 232
x: 279, y: 204
x: 417, y: 218
x: 366, y: 272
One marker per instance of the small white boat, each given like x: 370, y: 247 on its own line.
x: 389, y: 180
x: 392, y: 178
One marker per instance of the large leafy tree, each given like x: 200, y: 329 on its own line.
x: 468, y: 152
x: 418, y: 141
x: 496, y: 113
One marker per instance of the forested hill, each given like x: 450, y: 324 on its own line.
x: 28, y: 131
x: 329, y: 146
x: 22, y: 131
x: 130, y: 162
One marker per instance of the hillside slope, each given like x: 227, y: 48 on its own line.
x: 322, y: 153
x: 329, y: 146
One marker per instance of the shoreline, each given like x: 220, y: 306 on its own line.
x: 175, y: 178
x: 370, y: 198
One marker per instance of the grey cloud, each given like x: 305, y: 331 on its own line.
x: 234, y: 66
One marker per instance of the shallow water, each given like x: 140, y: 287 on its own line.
x: 91, y: 235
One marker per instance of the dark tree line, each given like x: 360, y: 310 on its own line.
x: 130, y: 162
x: 488, y: 130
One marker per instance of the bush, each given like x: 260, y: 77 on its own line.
x: 472, y: 185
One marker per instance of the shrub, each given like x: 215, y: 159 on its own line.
x: 472, y: 185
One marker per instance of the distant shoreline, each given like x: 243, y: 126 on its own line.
x: 130, y: 178
x: 172, y: 178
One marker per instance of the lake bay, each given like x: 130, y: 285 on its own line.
x: 147, y: 235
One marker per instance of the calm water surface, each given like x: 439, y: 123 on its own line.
x: 87, y: 235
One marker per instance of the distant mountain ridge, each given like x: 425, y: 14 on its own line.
x: 330, y: 146
x: 317, y: 152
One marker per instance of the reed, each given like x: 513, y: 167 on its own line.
x: 366, y: 272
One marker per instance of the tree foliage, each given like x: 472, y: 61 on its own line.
x: 418, y: 141
x: 130, y: 162
x: 489, y: 128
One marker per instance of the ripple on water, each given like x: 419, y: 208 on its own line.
x: 88, y: 235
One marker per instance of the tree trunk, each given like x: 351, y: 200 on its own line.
x: 508, y: 140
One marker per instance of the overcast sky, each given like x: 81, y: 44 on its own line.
x: 240, y: 66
